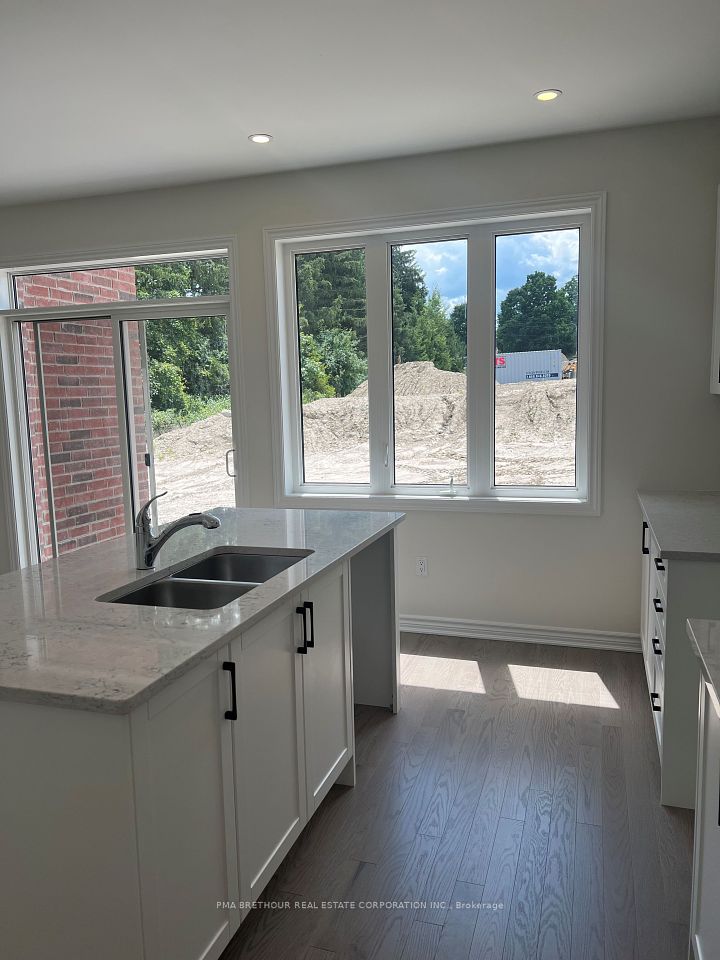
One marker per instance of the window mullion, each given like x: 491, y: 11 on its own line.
x: 377, y: 281
x: 480, y: 360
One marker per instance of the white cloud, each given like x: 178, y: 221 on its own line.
x: 555, y: 252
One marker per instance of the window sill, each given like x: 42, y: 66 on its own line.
x: 548, y: 506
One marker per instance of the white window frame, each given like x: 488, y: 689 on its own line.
x: 16, y: 475
x: 479, y: 226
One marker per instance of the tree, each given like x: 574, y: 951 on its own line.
x: 458, y: 319
x: 409, y: 293
x: 314, y: 378
x: 539, y: 316
x: 345, y: 365
x: 188, y: 356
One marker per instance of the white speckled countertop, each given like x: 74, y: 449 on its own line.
x: 60, y: 646
x: 705, y: 639
x: 685, y: 525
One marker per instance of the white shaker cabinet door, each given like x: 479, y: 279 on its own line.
x: 182, y: 759
x: 327, y: 683
x: 268, y: 738
x: 705, y: 920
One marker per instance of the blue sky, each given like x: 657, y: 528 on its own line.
x: 445, y: 262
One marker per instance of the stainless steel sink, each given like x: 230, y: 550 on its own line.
x: 241, y: 567
x: 191, y: 594
x: 209, y: 583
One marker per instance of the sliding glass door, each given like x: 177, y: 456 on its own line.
x: 178, y: 386
x: 121, y: 407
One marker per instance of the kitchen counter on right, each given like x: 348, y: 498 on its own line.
x: 684, y: 525
x: 705, y: 640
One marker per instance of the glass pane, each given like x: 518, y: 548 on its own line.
x: 332, y: 330
x: 536, y: 298
x: 429, y: 312
x: 179, y: 390
x: 147, y: 281
x: 70, y: 365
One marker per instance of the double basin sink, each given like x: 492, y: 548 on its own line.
x: 211, y: 582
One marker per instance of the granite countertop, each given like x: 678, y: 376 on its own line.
x: 685, y: 525
x: 705, y: 639
x: 59, y: 645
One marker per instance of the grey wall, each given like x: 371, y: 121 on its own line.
x: 660, y: 423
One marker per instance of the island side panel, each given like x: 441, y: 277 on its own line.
x: 69, y: 880
x: 693, y: 591
x: 375, y: 632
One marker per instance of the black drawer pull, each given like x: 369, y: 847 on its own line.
x: 655, y: 701
x: 656, y: 646
x: 658, y: 605
x: 231, y: 714
x: 659, y: 565
x: 645, y: 547
x: 303, y: 613
x: 309, y: 606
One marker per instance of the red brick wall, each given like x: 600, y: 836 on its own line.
x: 81, y: 408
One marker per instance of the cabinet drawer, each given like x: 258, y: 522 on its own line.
x: 658, y: 565
x: 657, y: 611
x: 657, y: 703
x: 657, y: 645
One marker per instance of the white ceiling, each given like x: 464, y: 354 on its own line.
x: 99, y: 96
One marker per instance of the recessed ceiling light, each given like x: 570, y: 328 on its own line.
x: 260, y: 137
x: 544, y: 95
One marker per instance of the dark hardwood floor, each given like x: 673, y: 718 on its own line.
x: 510, y: 811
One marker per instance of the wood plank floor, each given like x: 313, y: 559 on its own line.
x: 510, y: 811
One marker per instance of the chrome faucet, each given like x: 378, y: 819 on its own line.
x: 148, y: 546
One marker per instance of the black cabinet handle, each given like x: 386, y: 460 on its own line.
x: 645, y: 547
x: 231, y: 714
x: 656, y: 646
x: 303, y: 613
x: 659, y: 565
x: 309, y: 606
x: 658, y: 605
x: 655, y: 705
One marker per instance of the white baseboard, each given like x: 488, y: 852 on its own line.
x: 522, y: 633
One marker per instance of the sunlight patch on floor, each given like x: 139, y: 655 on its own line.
x: 584, y: 688
x: 441, y: 673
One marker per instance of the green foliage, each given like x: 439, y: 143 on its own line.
x: 422, y: 329
x: 187, y: 357
x: 315, y: 382
x: 182, y: 278
x: 345, y: 365
x: 195, y: 409
x: 167, y: 387
x: 539, y: 316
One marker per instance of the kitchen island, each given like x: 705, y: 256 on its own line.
x: 159, y: 762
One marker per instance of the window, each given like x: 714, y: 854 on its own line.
x: 536, y: 349
x: 126, y: 392
x: 429, y: 349
x: 446, y: 363
x: 332, y: 348
x: 141, y: 280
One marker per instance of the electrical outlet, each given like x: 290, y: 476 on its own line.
x: 421, y: 568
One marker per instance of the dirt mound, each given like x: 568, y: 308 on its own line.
x: 421, y: 378
x: 198, y: 440
x: 431, y: 402
x: 534, y: 431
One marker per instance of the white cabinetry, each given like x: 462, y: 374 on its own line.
x: 705, y: 916
x: 268, y: 735
x: 672, y: 591
x: 122, y: 827
x: 294, y: 733
x: 184, y: 794
x: 327, y: 684
x: 141, y: 834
